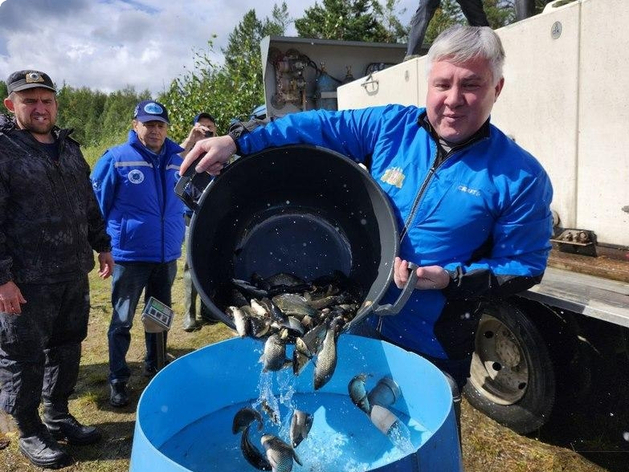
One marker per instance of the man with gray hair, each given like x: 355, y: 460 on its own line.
x: 472, y: 206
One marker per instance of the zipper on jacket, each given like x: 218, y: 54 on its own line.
x: 160, y: 184
x: 431, y: 173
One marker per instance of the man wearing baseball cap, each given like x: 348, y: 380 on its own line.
x: 134, y: 185
x: 50, y: 226
x: 203, y: 126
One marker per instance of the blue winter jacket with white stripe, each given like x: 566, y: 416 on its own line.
x: 135, y: 191
x: 482, y: 212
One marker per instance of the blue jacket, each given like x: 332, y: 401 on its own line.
x: 135, y: 191
x: 483, y: 213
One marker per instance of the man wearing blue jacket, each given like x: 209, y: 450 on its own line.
x: 472, y: 206
x: 134, y: 185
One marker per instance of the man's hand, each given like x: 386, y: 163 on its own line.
x: 197, y: 132
x: 215, y: 152
x: 428, y: 278
x: 106, y: 263
x: 11, y: 299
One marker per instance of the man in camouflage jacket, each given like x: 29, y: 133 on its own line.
x: 50, y: 224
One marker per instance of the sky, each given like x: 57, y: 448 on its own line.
x: 107, y: 45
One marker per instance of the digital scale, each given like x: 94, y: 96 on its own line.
x: 157, y: 316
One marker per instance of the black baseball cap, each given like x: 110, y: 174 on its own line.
x: 28, y: 79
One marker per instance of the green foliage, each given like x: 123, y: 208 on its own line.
x: 389, y: 17
x: 3, y: 93
x: 499, y: 13
x: 96, y: 117
x: 82, y: 110
x: 228, y: 91
x: 93, y: 152
x: 347, y: 20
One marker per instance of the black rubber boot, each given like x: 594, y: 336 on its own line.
x: 43, y: 451
x: 118, y: 395
x: 62, y: 425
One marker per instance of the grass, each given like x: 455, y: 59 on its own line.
x: 587, y: 441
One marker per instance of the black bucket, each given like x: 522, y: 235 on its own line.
x: 303, y: 210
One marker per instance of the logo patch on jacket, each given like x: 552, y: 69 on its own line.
x: 136, y: 176
x: 393, y: 176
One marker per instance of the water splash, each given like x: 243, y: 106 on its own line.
x: 400, y: 437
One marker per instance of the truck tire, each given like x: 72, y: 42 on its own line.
x: 512, y: 377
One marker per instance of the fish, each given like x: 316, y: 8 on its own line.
x: 270, y: 412
x: 275, y: 313
x: 312, y: 341
x: 307, y: 347
x: 300, y: 425
x: 251, y: 453
x: 274, y: 355
x: 293, y: 304
x: 279, y: 454
x: 259, y: 309
x: 244, y: 417
x: 237, y: 298
x: 342, y: 298
x: 326, y: 359
x: 284, y: 279
x: 249, y: 290
x: 241, y: 321
x: 258, y: 325
x: 358, y: 392
x: 300, y: 358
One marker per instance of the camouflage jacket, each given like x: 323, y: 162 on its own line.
x: 49, y: 218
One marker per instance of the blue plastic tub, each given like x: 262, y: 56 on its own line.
x: 185, y: 414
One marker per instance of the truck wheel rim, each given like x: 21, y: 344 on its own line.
x: 499, y: 368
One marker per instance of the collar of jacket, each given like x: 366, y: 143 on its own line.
x: 168, y: 149
x: 483, y: 132
x: 8, y: 124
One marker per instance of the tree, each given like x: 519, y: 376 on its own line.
x: 3, y: 93
x: 347, y: 20
x: 81, y: 110
x: 229, y: 91
x: 499, y: 13
x: 389, y: 16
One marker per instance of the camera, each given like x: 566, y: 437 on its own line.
x: 209, y: 134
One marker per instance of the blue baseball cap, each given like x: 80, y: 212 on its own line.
x: 201, y: 116
x: 150, y: 110
x: 258, y: 113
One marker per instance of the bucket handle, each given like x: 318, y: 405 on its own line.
x: 393, y: 309
x: 191, y: 183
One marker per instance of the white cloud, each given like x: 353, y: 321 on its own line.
x: 110, y: 44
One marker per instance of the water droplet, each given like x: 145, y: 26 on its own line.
x: 363, y: 222
x: 625, y: 436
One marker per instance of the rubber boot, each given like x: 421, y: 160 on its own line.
x: 62, y: 425
x: 38, y: 445
x: 189, y: 322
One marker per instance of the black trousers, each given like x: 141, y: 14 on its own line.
x: 40, y: 350
x: 472, y: 9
